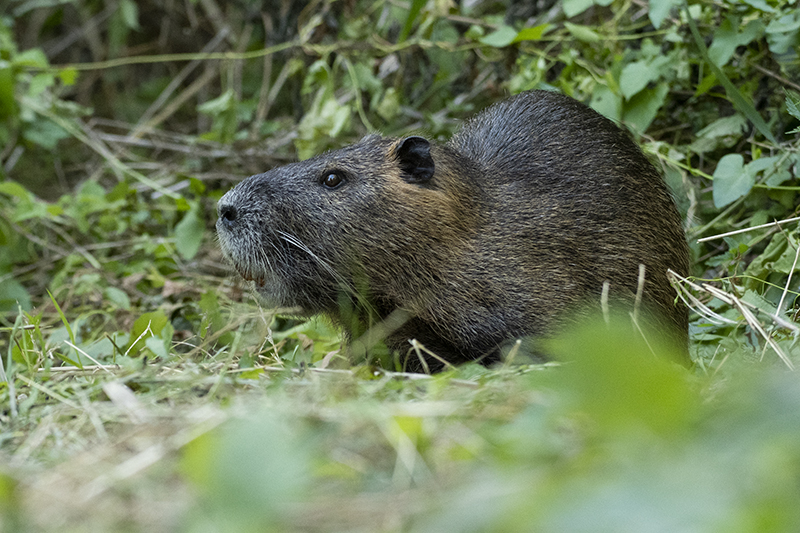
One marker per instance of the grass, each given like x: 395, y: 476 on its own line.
x: 106, y: 447
x: 197, y: 442
x: 144, y: 389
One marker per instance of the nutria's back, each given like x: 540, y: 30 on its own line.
x: 504, y: 232
x: 577, y: 194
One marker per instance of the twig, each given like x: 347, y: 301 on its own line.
x: 205, y: 78
x: 773, y: 75
x: 167, y: 58
x: 144, y: 124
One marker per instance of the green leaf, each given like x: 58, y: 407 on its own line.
x: 533, y: 34
x: 637, y: 75
x: 761, y: 266
x: 389, y: 106
x: 218, y: 105
x: 724, y: 131
x: 731, y: 180
x: 31, y: 58
x: 760, y: 4
x: 576, y: 7
x: 157, y: 346
x: 727, y: 38
x: 326, y: 119
x: 778, y: 177
x: 737, y: 98
x: 118, y: 297
x: 29, y: 209
x: 12, y: 294
x: 501, y: 37
x: 39, y: 83
x: 605, y: 102
x: 12, y: 188
x: 146, y: 326
x: 318, y: 76
x: 130, y: 13
x: 582, y: 33
x: 189, y: 233
x: 725, y: 42
x: 45, y: 133
x: 619, y: 384
x: 209, y: 305
x: 785, y: 262
x: 762, y: 163
x: 660, y: 9
x: 413, y: 13
x: 365, y: 79
x: 249, y: 470
x: 9, y: 498
x: 782, y: 32
x: 643, y: 107
x: 63, y: 318
x: 634, y: 77
x: 182, y: 204
x: 733, y: 125
x: 7, y: 104
x: 705, y: 85
x: 68, y: 76
x: 197, y: 186
x: 793, y: 104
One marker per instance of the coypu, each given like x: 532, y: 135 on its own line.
x: 500, y: 233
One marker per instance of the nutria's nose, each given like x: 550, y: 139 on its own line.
x: 227, y: 214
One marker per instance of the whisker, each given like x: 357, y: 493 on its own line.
x: 341, y: 281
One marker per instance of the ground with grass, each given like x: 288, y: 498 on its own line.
x: 143, y: 387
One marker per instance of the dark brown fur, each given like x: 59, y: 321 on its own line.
x: 501, y: 233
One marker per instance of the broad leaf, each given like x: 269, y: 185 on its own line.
x: 660, y: 9
x: 500, y: 38
x: 576, y: 7
x: 731, y: 180
x: 189, y: 234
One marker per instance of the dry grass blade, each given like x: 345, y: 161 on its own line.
x: 789, y: 280
x: 751, y: 320
x: 48, y: 391
x: 419, y: 349
x: 86, y: 355
x: 124, y: 398
x: 745, y: 308
x: 144, y: 123
x: 745, y: 230
x: 692, y: 301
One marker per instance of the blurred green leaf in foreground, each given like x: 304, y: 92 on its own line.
x: 614, y: 439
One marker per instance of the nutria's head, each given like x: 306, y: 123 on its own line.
x: 374, y: 212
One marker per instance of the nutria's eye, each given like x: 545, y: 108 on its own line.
x: 332, y: 180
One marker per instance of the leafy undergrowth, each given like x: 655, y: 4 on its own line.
x: 142, y: 388
x: 612, y: 440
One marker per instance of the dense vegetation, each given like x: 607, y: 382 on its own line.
x: 142, y: 388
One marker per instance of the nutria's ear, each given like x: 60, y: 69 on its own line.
x: 414, y: 156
